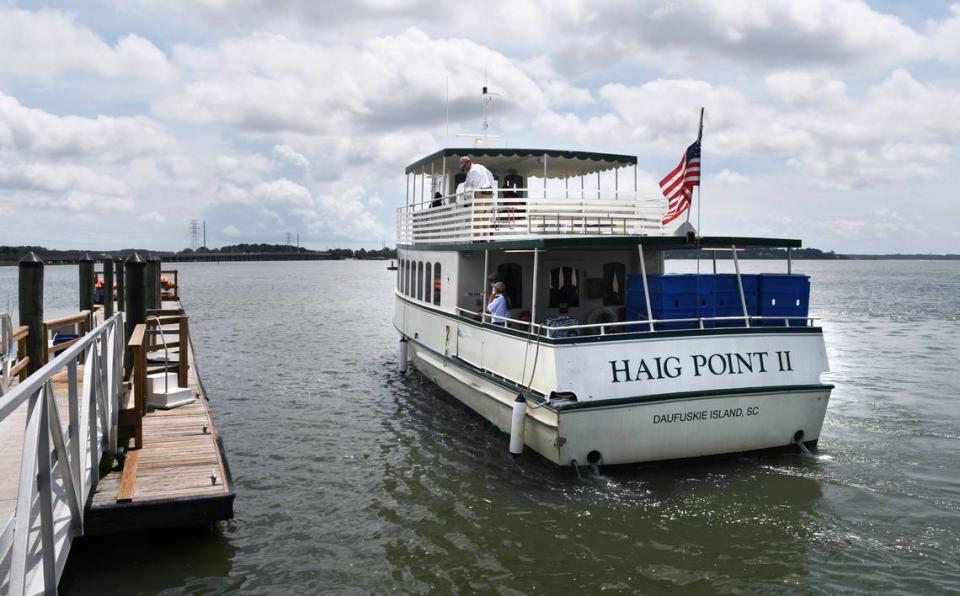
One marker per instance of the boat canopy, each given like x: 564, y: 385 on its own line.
x: 527, y: 162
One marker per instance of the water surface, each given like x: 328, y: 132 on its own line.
x: 353, y: 479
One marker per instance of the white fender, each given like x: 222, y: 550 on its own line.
x: 516, y: 425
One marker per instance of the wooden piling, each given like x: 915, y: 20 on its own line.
x: 107, y: 291
x: 120, y: 293
x: 30, y: 301
x: 135, y: 307
x: 88, y: 279
x: 153, y: 283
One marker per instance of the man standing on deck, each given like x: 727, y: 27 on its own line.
x: 479, y: 178
x: 481, y: 181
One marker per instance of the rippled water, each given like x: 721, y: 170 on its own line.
x: 353, y: 479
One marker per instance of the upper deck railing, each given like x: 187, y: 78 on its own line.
x: 519, y: 213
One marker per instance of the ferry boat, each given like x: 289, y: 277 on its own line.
x: 604, y: 358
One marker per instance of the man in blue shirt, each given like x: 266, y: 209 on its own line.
x: 497, y: 304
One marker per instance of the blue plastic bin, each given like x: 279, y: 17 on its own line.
x: 783, y: 295
x: 726, y: 297
x: 671, y: 297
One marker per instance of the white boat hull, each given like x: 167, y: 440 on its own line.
x: 641, y: 431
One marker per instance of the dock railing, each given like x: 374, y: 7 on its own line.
x: 517, y: 214
x: 75, y: 323
x: 59, y: 466
x: 13, y: 352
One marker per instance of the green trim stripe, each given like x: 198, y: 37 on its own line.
x: 603, y: 403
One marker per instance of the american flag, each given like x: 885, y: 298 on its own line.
x: 677, y: 186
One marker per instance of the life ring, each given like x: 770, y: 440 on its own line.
x: 602, y: 315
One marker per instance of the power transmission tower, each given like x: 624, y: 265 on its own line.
x: 194, y: 234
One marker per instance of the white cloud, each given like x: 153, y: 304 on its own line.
x: 268, y: 83
x: 807, y: 88
x: 154, y: 217
x: 730, y: 177
x: 282, y: 192
x: 36, y: 133
x: 945, y: 36
x: 289, y: 155
x: 46, y: 45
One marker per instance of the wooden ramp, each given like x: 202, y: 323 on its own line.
x: 178, y: 477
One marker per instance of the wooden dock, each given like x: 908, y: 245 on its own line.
x: 81, y: 451
x: 179, y: 477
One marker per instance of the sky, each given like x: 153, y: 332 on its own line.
x: 833, y: 121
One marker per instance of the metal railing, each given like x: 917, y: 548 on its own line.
x: 516, y: 214
x: 59, y: 466
x: 615, y: 328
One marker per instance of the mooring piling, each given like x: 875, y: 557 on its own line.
x: 88, y: 279
x: 152, y: 300
x: 118, y: 262
x: 107, y: 292
x: 31, y: 308
x: 135, y: 308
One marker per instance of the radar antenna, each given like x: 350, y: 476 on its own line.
x: 479, y: 140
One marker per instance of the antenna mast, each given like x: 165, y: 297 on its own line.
x: 479, y: 140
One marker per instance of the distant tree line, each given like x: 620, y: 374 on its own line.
x: 336, y: 253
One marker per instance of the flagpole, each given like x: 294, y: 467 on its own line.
x: 699, y: 137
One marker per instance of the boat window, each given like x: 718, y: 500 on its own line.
x: 564, y: 287
x: 419, y: 280
x: 409, y: 290
x: 436, y: 283
x: 399, y: 276
x: 406, y: 278
x: 428, y: 281
x: 511, y: 274
x: 613, y: 284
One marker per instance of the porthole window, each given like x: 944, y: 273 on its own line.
x: 419, y: 280
x: 428, y: 281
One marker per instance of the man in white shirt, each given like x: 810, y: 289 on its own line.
x: 481, y: 181
x: 479, y: 178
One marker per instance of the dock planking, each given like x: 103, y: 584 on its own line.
x: 181, y: 475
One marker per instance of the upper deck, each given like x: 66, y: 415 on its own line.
x: 539, y: 193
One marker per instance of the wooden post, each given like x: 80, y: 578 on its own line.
x: 31, y: 308
x: 87, y: 282
x: 107, y: 292
x: 152, y: 297
x: 119, y: 267
x: 135, y: 307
